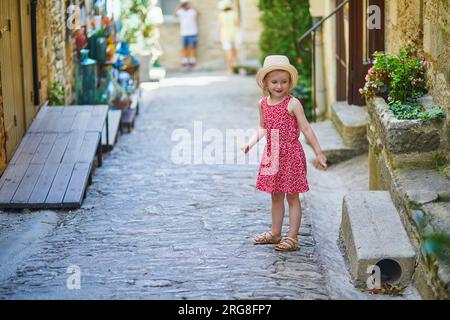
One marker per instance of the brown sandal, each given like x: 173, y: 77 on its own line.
x: 266, y: 238
x: 287, y: 244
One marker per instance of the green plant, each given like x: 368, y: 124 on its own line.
x: 400, y: 80
x: 396, y: 77
x: 56, y: 96
x: 413, y: 110
x: 284, y: 21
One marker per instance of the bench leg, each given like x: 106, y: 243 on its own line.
x: 99, y: 155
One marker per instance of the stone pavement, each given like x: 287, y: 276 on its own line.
x: 153, y: 229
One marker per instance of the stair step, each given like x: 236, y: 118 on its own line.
x: 351, y: 123
x: 373, y: 234
x: 331, y: 142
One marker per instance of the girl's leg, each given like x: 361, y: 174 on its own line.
x: 295, y: 214
x: 277, y: 213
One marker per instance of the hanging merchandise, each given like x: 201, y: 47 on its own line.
x: 80, y: 39
x: 106, y: 91
x: 111, y: 47
x: 88, y: 75
x: 92, y: 44
x: 126, y: 82
x: 100, y: 49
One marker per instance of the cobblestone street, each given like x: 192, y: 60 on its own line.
x: 153, y: 229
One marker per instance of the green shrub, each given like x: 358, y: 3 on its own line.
x: 400, y: 79
x: 56, y: 96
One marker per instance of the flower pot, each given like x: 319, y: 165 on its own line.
x: 404, y: 142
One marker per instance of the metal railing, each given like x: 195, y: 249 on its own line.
x: 312, y: 32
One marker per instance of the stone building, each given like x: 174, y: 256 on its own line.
x: 210, y: 53
x: 408, y: 158
x: 35, y: 50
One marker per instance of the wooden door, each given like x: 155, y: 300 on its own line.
x: 11, y: 66
x: 27, y: 62
x: 363, y: 43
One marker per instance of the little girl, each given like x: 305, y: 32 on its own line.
x: 282, y: 172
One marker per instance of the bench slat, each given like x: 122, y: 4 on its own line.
x: 42, y: 186
x: 77, y: 184
x: 59, y: 185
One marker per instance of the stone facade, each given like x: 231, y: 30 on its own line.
x: 210, y: 52
x: 426, y: 24
x: 55, y: 49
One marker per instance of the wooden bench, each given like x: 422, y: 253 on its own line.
x: 110, y: 136
x: 54, y: 161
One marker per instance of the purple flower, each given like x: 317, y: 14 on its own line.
x: 370, y: 70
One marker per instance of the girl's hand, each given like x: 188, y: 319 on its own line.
x: 245, y: 148
x: 321, y: 161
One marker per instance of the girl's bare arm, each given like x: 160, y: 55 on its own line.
x: 260, y: 133
x: 297, y: 108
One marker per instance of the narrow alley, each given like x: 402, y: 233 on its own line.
x: 153, y: 229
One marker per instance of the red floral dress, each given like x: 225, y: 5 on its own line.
x: 283, y: 164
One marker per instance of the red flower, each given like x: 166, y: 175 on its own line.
x: 299, y: 59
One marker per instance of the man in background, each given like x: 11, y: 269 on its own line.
x: 187, y: 16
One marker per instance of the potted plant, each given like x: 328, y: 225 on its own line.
x: 394, y: 91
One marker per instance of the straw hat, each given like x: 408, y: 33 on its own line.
x: 224, y: 4
x: 276, y: 62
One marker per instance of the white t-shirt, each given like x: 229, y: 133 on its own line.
x: 188, y: 22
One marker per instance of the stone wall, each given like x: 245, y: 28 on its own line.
x: 426, y: 23
x: 402, y: 159
x: 210, y: 53
x: 55, y: 57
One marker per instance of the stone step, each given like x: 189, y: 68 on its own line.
x: 351, y: 123
x: 331, y: 142
x: 372, y: 234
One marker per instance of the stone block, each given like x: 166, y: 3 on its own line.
x: 332, y: 144
x: 404, y: 136
x: 373, y: 235
x: 421, y: 186
x: 351, y: 123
